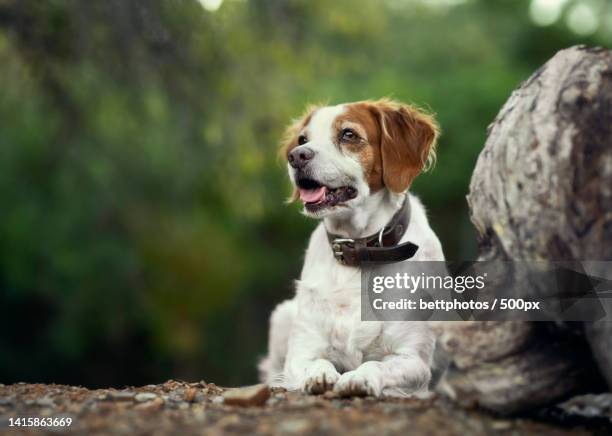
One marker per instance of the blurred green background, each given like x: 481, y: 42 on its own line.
x: 143, y: 234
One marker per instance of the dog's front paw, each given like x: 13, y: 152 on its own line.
x: 320, y: 377
x: 358, y: 383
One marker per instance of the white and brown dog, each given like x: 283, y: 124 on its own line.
x: 352, y: 165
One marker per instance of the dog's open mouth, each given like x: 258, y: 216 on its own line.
x: 317, y: 196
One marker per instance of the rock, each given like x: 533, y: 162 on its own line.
x: 255, y: 395
x: 45, y: 401
x: 294, y: 426
x: 589, y: 406
x: 501, y: 425
x: 119, y: 396
x: 228, y: 421
x: 190, y: 394
x: 151, y: 406
x: 330, y: 395
x: 540, y: 190
x: 171, y: 385
x: 145, y: 396
x: 7, y: 401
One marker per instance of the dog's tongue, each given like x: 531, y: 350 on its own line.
x: 312, y: 195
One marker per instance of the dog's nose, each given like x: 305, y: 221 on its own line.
x: 299, y: 156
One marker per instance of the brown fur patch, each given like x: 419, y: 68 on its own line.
x: 359, y: 117
x: 408, y: 138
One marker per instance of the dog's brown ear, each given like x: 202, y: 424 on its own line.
x: 407, y: 142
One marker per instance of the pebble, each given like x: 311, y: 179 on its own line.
x: 294, y: 426
x: 228, y: 421
x: 249, y: 396
x: 190, y: 394
x: 273, y: 401
x: 145, y: 396
x: 199, y: 415
x: 45, y: 402
x: 501, y: 425
x: 151, y: 406
x: 330, y: 395
x: 7, y: 401
x: 121, y: 395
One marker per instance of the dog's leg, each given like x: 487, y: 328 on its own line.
x: 281, y: 320
x: 320, y: 375
x: 404, y: 370
x: 306, y: 367
x: 395, y: 375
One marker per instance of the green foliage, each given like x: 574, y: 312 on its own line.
x: 143, y: 232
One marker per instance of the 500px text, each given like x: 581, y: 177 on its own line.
x: 504, y: 304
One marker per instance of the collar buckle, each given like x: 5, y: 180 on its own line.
x: 380, y: 236
x: 338, y: 248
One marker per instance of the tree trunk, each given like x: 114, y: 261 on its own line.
x: 542, y: 189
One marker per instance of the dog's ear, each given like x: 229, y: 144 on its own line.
x: 290, y: 140
x: 407, y: 142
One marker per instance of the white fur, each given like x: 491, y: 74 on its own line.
x: 317, y: 339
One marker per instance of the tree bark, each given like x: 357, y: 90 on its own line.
x: 542, y: 189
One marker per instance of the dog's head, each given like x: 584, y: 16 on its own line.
x: 340, y: 155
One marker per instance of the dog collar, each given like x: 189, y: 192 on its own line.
x: 380, y: 247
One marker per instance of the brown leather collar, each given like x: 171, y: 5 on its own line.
x: 379, y: 247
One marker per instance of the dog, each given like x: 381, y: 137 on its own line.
x: 351, y: 165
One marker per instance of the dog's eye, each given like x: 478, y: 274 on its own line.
x: 302, y: 140
x: 348, y: 135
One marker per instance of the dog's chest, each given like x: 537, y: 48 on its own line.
x: 332, y: 304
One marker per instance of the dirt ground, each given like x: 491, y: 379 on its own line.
x: 177, y: 407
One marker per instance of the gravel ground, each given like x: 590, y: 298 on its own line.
x: 177, y: 407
